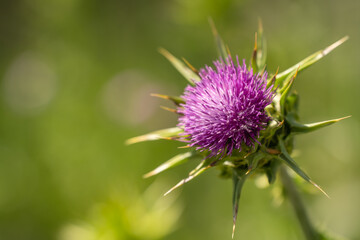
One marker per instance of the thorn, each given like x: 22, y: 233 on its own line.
x: 273, y: 79
x: 169, y: 109
x: 288, y: 85
x: 212, y: 25
x: 182, y: 182
x: 186, y: 146
x: 263, y: 70
x: 255, y: 47
x: 277, y: 70
x: 260, y: 25
x: 228, y: 51
x: 297, y: 70
x: 234, y: 221
x: 334, y: 45
x: 149, y: 174
x: 233, y: 231
x: 248, y: 154
x: 228, y: 163
x: 281, y: 123
x: 167, y: 138
x: 318, y: 187
x: 339, y: 119
x: 190, y: 66
x: 164, y: 52
x: 160, y: 96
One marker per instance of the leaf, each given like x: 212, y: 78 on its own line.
x: 176, y: 100
x: 297, y: 127
x: 284, y: 156
x: 222, y: 50
x: 172, y: 162
x: 261, y: 47
x: 181, y: 67
x: 239, y: 177
x: 310, y: 60
x: 160, y: 134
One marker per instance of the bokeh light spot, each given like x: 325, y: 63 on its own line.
x: 29, y: 84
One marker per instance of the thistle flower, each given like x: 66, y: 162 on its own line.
x: 226, y: 108
x: 241, y: 120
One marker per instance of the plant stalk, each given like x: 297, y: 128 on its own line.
x: 298, y: 205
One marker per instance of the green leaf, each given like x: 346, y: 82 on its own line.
x: 181, y: 67
x: 172, y: 162
x: 297, y: 127
x: 272, y: 169
x: 310, y: 60
x: 176, y: 100
x: 285, y: 156
x: 239, y: 177
x: 261, y: 47
x: 222, y: 51
x: 167, y: 133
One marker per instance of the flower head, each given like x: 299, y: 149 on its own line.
x: 226, y: 108
x: 222, y: 113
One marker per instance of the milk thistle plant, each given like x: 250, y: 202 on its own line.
x: 241, y: 119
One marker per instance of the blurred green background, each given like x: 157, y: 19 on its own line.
x: 75, y: 82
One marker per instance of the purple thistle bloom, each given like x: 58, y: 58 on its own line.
x: 226, y: 108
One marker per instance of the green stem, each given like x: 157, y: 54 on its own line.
x: 298, y: 205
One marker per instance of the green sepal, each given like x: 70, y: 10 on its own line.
x: 272, y: 169
x: 258, y: 57
x: 292, y: 104
x: 287, y: 82
x: 285, y: 156
x: 168, y: 133
x: 271, y: 130
x: 221, y: 48
x: 310, y: 60
x: 253, y: 161
x: 285, y: 93
x: 297, y: 128
x: 174, y: 99
x: 191, y: 76
x: 253, y: 60
x: 261, y: 47
x: 239, y: 177
x: 172, y: 162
